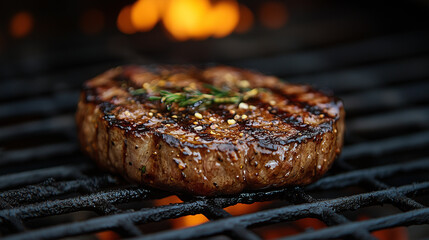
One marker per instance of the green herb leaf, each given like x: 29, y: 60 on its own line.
x: 143, y: 169
x: 154, y: 98
x: 196, y: 98
x: 138, y: 91
x: 216, y: 91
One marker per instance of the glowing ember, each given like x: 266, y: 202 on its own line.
x: 225, y: 16
x: 123, y: 22
x: 107, y: 235
x: 183, y: 19
x: 240, y: 208
x: 199, y: 19
x: 21, y: 24
x: 145, y: 14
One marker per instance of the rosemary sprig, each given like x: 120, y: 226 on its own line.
x: 196, y: 98
x: 138, y: 91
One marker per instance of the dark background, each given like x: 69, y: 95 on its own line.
x: 58, y: 41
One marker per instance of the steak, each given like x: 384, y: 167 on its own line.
x: 208, y: 131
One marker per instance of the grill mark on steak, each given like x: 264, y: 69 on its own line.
x: 310, y: 108
x: 305, y: 130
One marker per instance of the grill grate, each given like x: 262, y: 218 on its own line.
x: 381, y: 164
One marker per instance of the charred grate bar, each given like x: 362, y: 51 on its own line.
x: 289, y: 213
x: 49, y: 178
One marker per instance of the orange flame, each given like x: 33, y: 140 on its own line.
x: 199, y: 19
x: 123, y: 22
x: 183, y: 19
x: 240, y: 208
x: 145, y: 14
x: 21, y: 24
x: 224, y: 17
x: 107, y: 235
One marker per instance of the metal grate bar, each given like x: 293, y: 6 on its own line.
x: 101, y: 202
x: 400, y: 201
x: 341, y: 56
x: 330, y: 217
x: 390, y: 145
x: 113, y: 221
x: 50, y: 188
x: 415, y: 217
x: 357, y: 176
x: 39, y: 175
x: 415, y: 117
x: 367, y: 77
x: 62, y: 124
x: 54, y: 82
x: 214, y: 213
x: 406, y: 203
x: 42, y: 106
x: 128, y: 229
x: 15, y: 224
x: 45, y: 151
x: 287, y: 213
x: 387, y: 98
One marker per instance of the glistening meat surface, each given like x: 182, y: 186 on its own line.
x: 248, y: 131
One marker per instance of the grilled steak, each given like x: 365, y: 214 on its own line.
x: 218, y: 130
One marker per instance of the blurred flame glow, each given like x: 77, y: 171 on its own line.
x: 189, y: 221
x: 273, y: 14
x: 246, y: 20
x: 92, y: 21
x: 199, y: 19
x: 144, y: 14
x: 107, y: 235
x: 123, y: 22
x: 21, y: 24
x: 225, y: 16
x: 183, y: 19
x: 193, y: 220
x: 186, y: 19
x: 241, y: 208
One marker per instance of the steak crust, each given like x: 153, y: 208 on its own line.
x: 287, y: 135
